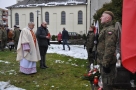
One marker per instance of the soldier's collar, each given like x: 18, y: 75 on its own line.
x: 90, y: 31
x: 107, y: 24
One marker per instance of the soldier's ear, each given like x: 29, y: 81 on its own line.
x: 107, y: 18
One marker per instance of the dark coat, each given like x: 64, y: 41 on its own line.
x: 65, y: 34
x: 41, y: 36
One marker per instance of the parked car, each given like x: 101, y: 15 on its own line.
x: 73, y: 35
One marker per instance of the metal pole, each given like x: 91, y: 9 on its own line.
x: 37, y: 21
x: 37, y: 17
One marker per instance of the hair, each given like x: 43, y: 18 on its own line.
x: 31, y: 23
x: 110, y: 13
x: 93, y: 27
x: 44, y: 22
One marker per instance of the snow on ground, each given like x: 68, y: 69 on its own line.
x: 7, y: 86
x: 76, y: 51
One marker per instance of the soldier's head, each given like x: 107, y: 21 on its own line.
x: 44, y: 24
x: 15, y: 26
x: 107, y: 16
x: 31, y: 25
x: 92, y: 28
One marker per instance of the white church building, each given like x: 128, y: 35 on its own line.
x: 74, y: 15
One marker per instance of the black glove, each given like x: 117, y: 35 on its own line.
x: 106, y: 69
x: 90, y: 50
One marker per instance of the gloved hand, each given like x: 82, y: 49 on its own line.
x: 90, y: 50
x: 117, y: 56
x: 95, y: 42
x: 106, y: 69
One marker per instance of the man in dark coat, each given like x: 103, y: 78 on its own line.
x: 42, y: 37
x: 65, y: 38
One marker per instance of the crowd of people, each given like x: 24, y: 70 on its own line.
x: 9, y: 37
x: 30, y: 46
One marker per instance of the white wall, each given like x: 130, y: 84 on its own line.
x: 24, y: 16
x: 71, y: 18
x: 54, y: 18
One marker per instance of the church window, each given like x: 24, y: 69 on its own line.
x: 31, y: 17
x: 80, y: 17
x: 47, y: 17
x: 63, y: 17
x: 16, y: 18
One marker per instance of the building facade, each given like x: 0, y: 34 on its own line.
x: 4, y: 17
x: 74, y: 15
x: 1, y: 21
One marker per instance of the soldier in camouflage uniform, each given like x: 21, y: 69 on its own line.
x: 106, y: 50
x: 16, y: 35
x: 90, y: 44
x: 1, y: 34
x: 4, y: 38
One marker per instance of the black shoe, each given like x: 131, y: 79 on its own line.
x: 69, y: 49
x: 43, y: 67
x: 63, y: 49
x: 46, y: 66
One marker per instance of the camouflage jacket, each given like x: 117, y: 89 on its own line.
x: 1, y: 34
x: 16, y: 35
x: 107, y: 45
x: 4, y: 38
x: 90, y: 40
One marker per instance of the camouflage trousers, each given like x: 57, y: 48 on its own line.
x: 90, y: 59
x: 107, y: 78
x: 4, y: 44
x: 0, y: 45
x: 16, y: 43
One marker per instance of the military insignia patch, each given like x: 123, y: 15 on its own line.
x: 109, y: 33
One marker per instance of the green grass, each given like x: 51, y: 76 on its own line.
x: 64, y: 75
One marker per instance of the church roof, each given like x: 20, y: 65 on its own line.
x: 36, y: 3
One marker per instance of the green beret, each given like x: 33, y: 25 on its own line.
x: 110, y: 13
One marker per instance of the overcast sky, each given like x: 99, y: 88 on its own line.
x: 6, y: 3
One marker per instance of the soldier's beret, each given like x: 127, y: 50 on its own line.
x: 18, y: 27
x: 110, y: 13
